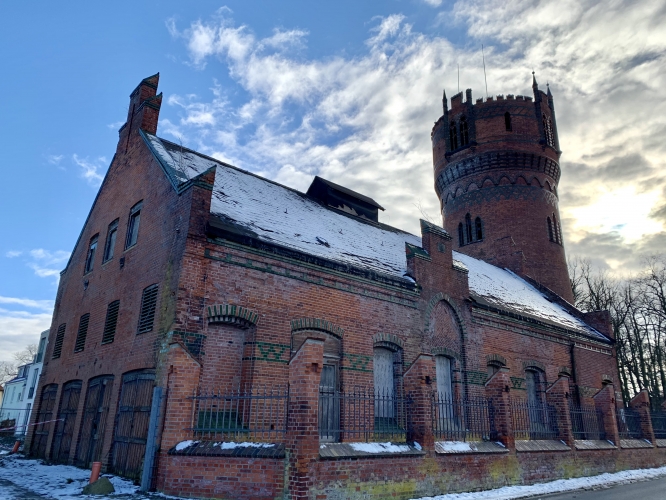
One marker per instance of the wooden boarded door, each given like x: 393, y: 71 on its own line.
x: 69, y: 404
x: 43, y: 421
x: 131, y: 429
x: 95, y: 415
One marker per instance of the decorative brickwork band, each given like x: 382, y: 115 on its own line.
x: 438, y: 297
x: 443, y: 351
x: 495, y: 359
x: 387, y: 340
x: 534, y: 364
x: 316, y: 324
x: 230, y: 314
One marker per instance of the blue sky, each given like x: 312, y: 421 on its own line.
x: 347, y: 90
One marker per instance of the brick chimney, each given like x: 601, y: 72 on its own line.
x: 143, y: 111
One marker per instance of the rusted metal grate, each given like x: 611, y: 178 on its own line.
x: 587, y: 422
x: 629, y: 423
x: 533, y: 420
x: 464, y: 419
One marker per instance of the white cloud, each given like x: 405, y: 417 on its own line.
x: 433, y: 3
x: 45, y: 305
x: 54, y: 159
x: 365, y: 121
x: 116, y: 125
x: 13, y: 253
x: 92, y: 171
x: 22, y: 323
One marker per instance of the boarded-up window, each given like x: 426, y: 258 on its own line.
x: 62, y: 438
x: 147, y: 313
x: 82, y: 333
x: 444, y: 380
x: 384, y: 383
x: 93, y: 423
x: 43, y: 421
x: 111, y: 322
x: 60, y: 337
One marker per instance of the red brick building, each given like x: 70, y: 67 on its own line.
x: 219, y: 335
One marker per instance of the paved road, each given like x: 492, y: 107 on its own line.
x: 9, y: 491
x: 644, y: 490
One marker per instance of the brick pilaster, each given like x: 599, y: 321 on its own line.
x: 498, y: 392
x: 604, y: 400
x: 418, y: 382
x: 558, y: 395
x: 303, y: 427
x: 641, y: 403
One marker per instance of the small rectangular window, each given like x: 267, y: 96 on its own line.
x: 147, y: 314
x: 57, y: 345
x: 110, y: 240
x: 111, y: 322
x: 133, y: 225
x: 40, y: 351
x: 82, y: 333
x: 90, y: 259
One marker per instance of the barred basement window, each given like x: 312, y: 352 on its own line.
x: 147, y: 314
x: 464, y: 132
x: 90, y: 258
x: 111, y: 234
x: 461, y: 235
x: 133, y: 225
x: 60, y: 337
x: 453, y: 136
x: 507, y: 121
x: 82, y: 333
x: 478, y: 227
x: 550, y: 230
x: 111, y: 322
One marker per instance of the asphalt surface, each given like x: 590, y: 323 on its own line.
x: 643, y: 490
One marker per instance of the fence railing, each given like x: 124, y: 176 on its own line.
x: 14, y: 421
x: 629, y: 424
x: 533, y: 420
x: 464, y: 419
x: 257, y: 414
x: 587, y: 422
x: 363, y: 414
x: 659, y: 424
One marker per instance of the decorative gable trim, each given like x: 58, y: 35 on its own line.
x: 232, y: 314
x: 316, y: 324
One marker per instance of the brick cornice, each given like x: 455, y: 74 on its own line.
x: 232, y: 314
x: 316, y: 324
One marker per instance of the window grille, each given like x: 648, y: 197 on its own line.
x: 464, y: 132
x: 147, y: 314
x: 111, y: 322
x: 548, y: 131
x: 453, y: 136
x: 110, y: 240
x: 90, y: 258
x: 60, y: 337
x: 82, y: 333
x: 133, y: 225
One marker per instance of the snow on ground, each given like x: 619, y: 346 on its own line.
x: 379, y: 447
x: 559, y: 486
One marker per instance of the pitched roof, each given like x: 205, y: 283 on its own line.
x: 280, y: 215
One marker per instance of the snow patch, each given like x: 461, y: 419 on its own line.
x: 231, y: 446
x: 455, y: 446
x: 185, y: 444
x: 379, y: 447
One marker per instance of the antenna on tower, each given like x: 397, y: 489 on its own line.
x: 459, y: 78
x: 484, y: 70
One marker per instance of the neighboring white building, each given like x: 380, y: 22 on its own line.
x: 19, y: 394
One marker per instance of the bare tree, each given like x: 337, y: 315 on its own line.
x: 9, y: 369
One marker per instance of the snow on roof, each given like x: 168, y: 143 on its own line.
x: 505, y: 290
x: 281, y: 215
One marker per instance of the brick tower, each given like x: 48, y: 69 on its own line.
x: 496, y: 165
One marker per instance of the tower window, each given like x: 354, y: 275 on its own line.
x: 464, y: 132
x: 461, y: 235
x: 478, y: 229
x: 507, y: 121
x: 548, y: 131
x: 110, y: 240
x: 90, y: 258
x: 468, y: 228
x: 550, y: 230
x: 453, y: 136
x: 133, y: 225
x: 557, y: 230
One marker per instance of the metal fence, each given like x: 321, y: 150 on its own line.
x: 363, y: 414
x: 587, y: 422
x: 257, y: 414
x: 533, y: 420
x: 14, y: 421
x: 629, y: 424
x: 470, y: 419
x: 659, y: 424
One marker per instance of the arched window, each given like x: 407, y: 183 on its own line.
x: 550, y: 229
x: 387, y: 368
x: 478, y: 229
x: 464, y: 132
x: 453, y: 135
x: 468, y: 228
x: 548, y: 131
x: 556, y: 229
x: 507, y: 121
x: 461, y: 235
